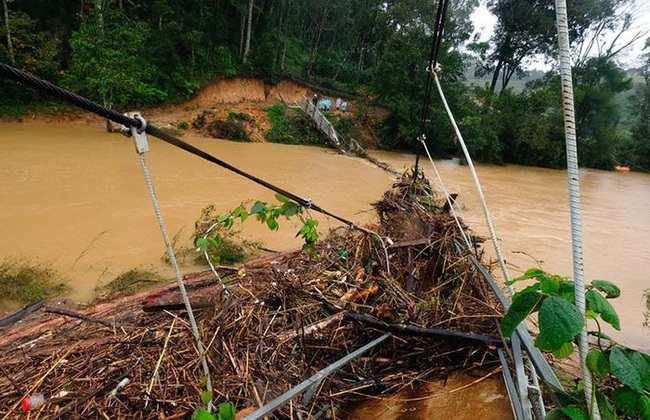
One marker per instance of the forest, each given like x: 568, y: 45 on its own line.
x: 127, y: 53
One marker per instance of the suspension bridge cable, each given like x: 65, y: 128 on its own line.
x: 441, y: 11
x: 522, y: 378
x: 441, y: 185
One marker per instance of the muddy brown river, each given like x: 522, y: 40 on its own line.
x: 74, y: 197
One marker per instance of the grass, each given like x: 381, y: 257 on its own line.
x: 128, y: 283
x: 25, y: 282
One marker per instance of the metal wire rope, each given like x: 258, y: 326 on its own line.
x: 436, y: 39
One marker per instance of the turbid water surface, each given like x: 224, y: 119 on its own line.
x: 74, y: 196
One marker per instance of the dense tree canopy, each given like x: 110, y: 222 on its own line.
x: 136, y: 52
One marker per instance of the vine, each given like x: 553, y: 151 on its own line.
x: 621, y: 375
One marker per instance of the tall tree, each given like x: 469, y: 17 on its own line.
x: 640, y: 147
x: 10, y: 47
x: 527, y: 27
x: 597, y: 85
x: 110, y: 63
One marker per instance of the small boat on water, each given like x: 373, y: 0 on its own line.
x: 620, y: 168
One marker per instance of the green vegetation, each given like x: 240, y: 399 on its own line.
x: 128, y: 54
x: 269, y: 214
x: 225, y: 411
x: 25, y: 283
x: 128, y: 283
x: 290, y: 129
x: 621, y: 375
x: 230, y: 128
x: 226, y: 247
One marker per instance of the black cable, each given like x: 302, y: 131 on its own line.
x: 436, y: 39
x: 72, y: 98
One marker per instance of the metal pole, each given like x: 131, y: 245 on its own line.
x: 271, y: 406
x: 574, y: 192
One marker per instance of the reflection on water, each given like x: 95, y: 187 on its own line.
x: 74, y: 195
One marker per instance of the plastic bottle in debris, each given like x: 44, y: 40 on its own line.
x: 33, y: 402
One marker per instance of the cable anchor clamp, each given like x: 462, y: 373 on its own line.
x: 307, y: 201
x: 139, y: 133
x: 431, y: 68
x: 422, y: 138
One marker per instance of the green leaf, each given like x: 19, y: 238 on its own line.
x: 202, y: 414
x: 529, y: 274
x: 610, y: 289
x: 628, y: 401
x: 550, y: 285
x: 564, y: 351
x: 243, y: 216
x: 227, y: 411
x: 281, y: 198
x: 567, y: 290
x: 521, y: 307
x: 289, y: 209
x: 644, y: 402
x: 222, y: 218
x: 607, y: 410
x: 202, y: 244
x: 625, y: 369
x: 206, y: 397
x: 575, y: 413
x: 559, y: 322
x: 597, y: 363
x: 258, y: 207
x: 642, y: 366
x: 554, y: 414
x: 597, y: 303
x: 272, y: 224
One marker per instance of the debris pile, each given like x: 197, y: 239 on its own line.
x: 286, y: 316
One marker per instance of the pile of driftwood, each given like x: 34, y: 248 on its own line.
x: 286, y: 317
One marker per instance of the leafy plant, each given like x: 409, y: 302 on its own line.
x: 268, y: 214
x: 622, y: 375
x: 226, y: 411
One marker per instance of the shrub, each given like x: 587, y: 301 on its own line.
x: 230, y: 128
x: 290, y: 129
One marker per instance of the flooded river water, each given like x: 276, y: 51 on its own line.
x: 73, y: 196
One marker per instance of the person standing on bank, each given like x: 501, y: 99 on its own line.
x: 338, y: 104
x: 315, y: 100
